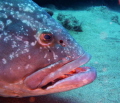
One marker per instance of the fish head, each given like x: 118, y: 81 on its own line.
x: 38, y: 56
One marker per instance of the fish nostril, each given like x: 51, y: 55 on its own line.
x: 61, y: 43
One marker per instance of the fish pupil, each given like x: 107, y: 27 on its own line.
x: 47, y: 37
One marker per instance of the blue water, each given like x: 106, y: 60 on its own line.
x: 100, y: 36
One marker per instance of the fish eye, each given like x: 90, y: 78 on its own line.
x: 45, y: 38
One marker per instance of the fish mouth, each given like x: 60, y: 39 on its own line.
x: 67, y: 77
x: 70, y: 73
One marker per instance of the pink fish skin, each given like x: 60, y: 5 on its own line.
x: 37, y: 55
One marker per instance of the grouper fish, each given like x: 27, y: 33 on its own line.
x: 37, y: 55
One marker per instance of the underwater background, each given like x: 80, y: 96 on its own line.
x: 95, y: 25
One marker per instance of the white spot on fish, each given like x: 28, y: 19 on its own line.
x: 33, y: 43
x: 61, y: 51
x: 8, y: 22
x: 57, y: 47
x: 26, y: 43
x: 27, y: 66
x: 49, y: 60
x: 26, y: 22
x: 16, y: 55
x: 4, y: 61
x: 7, y: 38
x: 1, y: 26
x: 10, y: 4
x: 5, y: 16
x: 6, y: 2
x: 5, y: 33
x: 14, y: 44
x: 29, y: 57
x: 1, y: 7
x: 40, y: 47
x: 25, y: 51
x: 18, y: 67
x: 12, y: 13
x: 21, y: 27
x: 28, y: 9
x: 11, y: 56
x: 38, y: 16
x: 54, y: 55
x: 19, y: 38
x: 45, y: 55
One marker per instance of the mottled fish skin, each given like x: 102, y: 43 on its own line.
x: 33, y: 46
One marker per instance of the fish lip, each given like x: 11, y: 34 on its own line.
x: 80, y: 60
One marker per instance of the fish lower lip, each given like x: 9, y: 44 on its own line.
x: 65, y: 70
